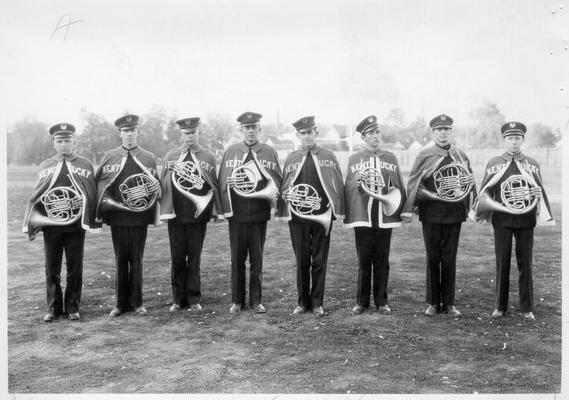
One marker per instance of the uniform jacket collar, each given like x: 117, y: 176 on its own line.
x: 256, y: 147
x: 438, y: 150
x: 135, y: 152
x: 314, y: 150
x: 370, y: 153
x: 193, y: 148
x: 68, y: 157
x: 518, y: 157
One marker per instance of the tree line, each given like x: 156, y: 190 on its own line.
x: 28, y: 142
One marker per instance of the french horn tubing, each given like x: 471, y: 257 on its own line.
x: 187, y: 178
x: 245, y: 178
x: 373, y: 183
x: 303, y: 200
x: 452, y: 184
x: 63, y: 206
x: 517, y: 193
x: 138, y: 192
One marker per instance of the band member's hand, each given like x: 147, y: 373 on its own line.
x: 230, y: 182
x: 153, y: 187
x: 467, y: 179
x: 218, y: 219
x: 406, y: 217
x: 286, y: 195
x: 359, y: 178
x: 175, y: 168
x: 536, y: 191
x: 275, y: 199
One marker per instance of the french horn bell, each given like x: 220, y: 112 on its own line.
x: 245, y: 178
x: 373, y: 183
x: 63, y: 206
x: 517, y: 193
x: 303, y: 200
x: 187, y: 178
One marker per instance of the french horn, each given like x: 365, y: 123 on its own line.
x: 452, y: 184
x: 373, y: 183
x: 518, y: 194
x: 304, y: 202
x: 186, y: 177
x: 139, y: 193
x: 63, y: 206
x: 245, y: 178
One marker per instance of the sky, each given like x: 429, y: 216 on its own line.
x: 338, y: 60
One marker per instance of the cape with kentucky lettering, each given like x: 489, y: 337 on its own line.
x: 359, y: 203
x: 112, y: 163
x: 266, y: 158
x: 206, y: 166
x: 527, y: 166
x: 426, y: 163
x: 329, y: 173
x: 81, y: 175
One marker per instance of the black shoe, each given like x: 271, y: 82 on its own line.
x: 115, y: 312
x: 235, y: 308
x: 452, y: 311
x: 318, y: 310
x: 385, y: 310
x: 431, y: 310
x: 299, y: 310
x: 74, y: 316
x: 259, y: 309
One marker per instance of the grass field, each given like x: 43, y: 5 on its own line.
x: 277, y: 352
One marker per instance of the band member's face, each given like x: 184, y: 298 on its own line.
x: 372, y: 139
x: 251, y: 133
x: 63, y: 145
x: 307, y: 137
x: 129, y: 137
x: 190, y: 137
x: 513, y: 143
x: 441, y: 136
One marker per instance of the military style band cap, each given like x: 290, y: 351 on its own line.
x: 62, y: 129
x: 368, y: 124
x: 249, y: 118
x: 304, y: 124
x: 127, y: 121
x: 513, y: 128
x: 441, y: 121
x: 188, y: 123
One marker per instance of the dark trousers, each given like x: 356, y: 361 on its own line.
x: 186, y: 242
x: 128, y: 242
x: 247, y: 238
x: 524, y: 251
x: 441, y: 243
x: 310, y: 245
x: 372, y: 247
x: 55, y: 242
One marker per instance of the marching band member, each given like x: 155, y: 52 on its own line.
x: 435, y: 172
x: 312, y: 191
x: 128, y: 188
x: 249, y: 178
x: 190, y: 197
x: 62, y: 205
x: 513, y: 199
x: 373, y: 174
